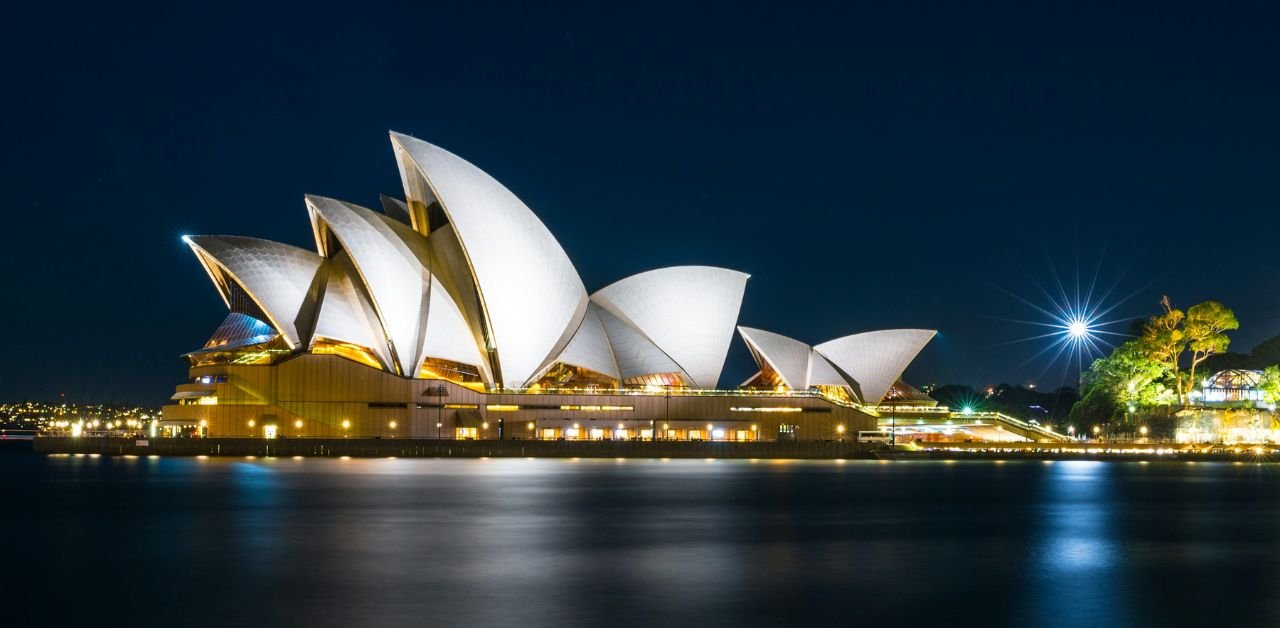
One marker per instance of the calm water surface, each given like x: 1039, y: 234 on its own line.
x: 182, y: 541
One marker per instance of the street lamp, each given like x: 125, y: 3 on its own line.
x: 840, y: 431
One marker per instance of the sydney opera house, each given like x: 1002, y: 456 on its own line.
x: 456, y: 314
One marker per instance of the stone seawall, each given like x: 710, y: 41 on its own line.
x: 430, y: 448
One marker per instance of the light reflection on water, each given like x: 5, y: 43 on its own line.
x: 641, y: 542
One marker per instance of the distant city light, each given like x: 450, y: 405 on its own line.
x: 967, y: 410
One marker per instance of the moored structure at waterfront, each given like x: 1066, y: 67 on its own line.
x: 456, y: 314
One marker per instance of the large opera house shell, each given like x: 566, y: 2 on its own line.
x: 461, y: 282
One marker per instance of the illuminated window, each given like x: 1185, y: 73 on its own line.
x: 597, y: 433
x: 658, y: 380
x: 695, y: 434
x: 456, y: 372
x: 355, y: 353
x: 565, y: 376
x: 717, y: 434
x: 466, y: 433
x: 572, y: 433
x: 496, y: 407
x: 622, y: 434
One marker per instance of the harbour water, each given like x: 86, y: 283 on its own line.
x: 184, y: 541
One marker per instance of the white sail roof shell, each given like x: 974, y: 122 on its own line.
x: 788, y: 357
x: 821, y: 373
x: 418, y: 315
x: 589, y: 348
x: 448, y: 336
x: 875, y: 359
x: 347, y: 316
x: 390, y: 268
x: 633, y: 352
x: 276, y: 276
x: 531, y: 294
x: 689, y: 312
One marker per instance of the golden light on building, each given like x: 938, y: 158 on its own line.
x: 252, y: 423
x: 543, y: 349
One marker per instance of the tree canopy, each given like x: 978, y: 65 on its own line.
x: 1147, y: 371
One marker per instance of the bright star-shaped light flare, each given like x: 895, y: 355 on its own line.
x: 1077, y: 329
x: 1074, y: 322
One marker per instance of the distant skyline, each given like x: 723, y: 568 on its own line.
x: 869, y: 167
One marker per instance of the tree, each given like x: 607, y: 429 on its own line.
x: 1270, y: 384
x: 1130, y: 375
x: 1205, y: 330
x: 1266, y: 353
x: 1164, y: 340
x: 1094, y: 408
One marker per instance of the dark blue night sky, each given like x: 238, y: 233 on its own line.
x: 886, y: 165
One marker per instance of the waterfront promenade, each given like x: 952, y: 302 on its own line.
x: 801, y: 450
x: 432, y: 448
